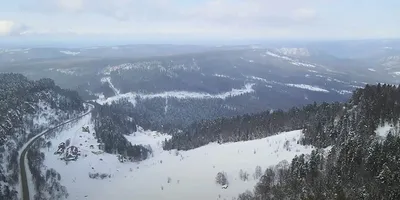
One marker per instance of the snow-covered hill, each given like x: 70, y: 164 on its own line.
x: 171, y: 175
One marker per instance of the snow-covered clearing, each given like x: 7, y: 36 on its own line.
x: 290, y: 60
x: 223, y: 76
x: 294, y: 51
x: 258, y: 79
x: 343, y: 92
x: 396, y: 73
x: 64, y: 71
x: 248, y: 88
x: 302, y: 64
x: 191, y: 173
x: 70, y: 53
x: 383, y: 131
x: 308, y: 87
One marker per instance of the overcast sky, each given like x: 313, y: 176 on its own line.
x: 269, y: 19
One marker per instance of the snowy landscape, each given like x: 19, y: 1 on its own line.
x: 168, y: 174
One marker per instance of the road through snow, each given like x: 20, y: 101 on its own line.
x: 23, y: 165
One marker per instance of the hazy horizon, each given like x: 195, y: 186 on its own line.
x: 210, y: 21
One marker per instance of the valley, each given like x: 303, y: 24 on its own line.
x: 168, y: 174
x: 245, y: 122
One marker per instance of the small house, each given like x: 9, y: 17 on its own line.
x: 61, y: 148
x: 85, y: 129
x: 71, y: 153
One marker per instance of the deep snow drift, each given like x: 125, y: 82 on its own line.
x: 191, y: 173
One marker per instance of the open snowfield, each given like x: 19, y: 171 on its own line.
x: 192, y: 173
x: 131, y: 96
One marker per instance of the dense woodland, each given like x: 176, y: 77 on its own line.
x: 250, y: 126
x: 20, y: 101
x: 112, y: 122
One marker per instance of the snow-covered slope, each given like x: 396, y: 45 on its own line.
x: 189, y: 173
x: 294, y: 51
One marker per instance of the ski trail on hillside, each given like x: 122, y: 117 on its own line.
x: 108, y: 80
x: 131, y: 96
x: 166, y: 106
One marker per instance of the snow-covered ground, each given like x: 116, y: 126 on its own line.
x: 248, y: 88
x: 290, y: 60
x: 294, y: 51
x: 343, y: 92
x: 70, y: 52
x: 192, y: 173
x: 383, y: 131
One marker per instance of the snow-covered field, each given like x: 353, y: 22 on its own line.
x: 248, y: 88
x: 192, y: 173
x: 70, y: 52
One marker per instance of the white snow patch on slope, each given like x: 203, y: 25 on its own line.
x: 192, y: 172
x: 223, y: 76
x: 383, y: 131
x: 294, y: 51
x: 302, y: 64
x: 44, y: 115
x: 396, y: 73
x: 258, y: 79
x: 64, y: 71
x: 108, y: 80
x: 291, y: 61
x: 248, y: 88
x: 70, y: 52
x: 343, y: 92
x: 278, y: 56
x: 308, y: 87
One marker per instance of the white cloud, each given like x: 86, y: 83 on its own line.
x: 8, y: 27
x: 71, y: 5
x: 220, y: 18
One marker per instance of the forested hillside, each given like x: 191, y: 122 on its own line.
x: 361, y: 163
x: 26, y: 108
x: 250, y: 126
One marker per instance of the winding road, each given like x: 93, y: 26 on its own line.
x: 23, y: 159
